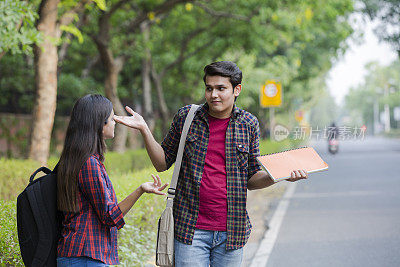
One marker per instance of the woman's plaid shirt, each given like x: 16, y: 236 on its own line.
x: 92, y: 231
x: 241, y: 150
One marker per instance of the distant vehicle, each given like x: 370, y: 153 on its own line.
x: 333, y: 146
x: 333, y: 143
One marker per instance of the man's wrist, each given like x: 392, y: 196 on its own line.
x: 144, y: 130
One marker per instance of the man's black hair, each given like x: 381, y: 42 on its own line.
x: 225, y: 69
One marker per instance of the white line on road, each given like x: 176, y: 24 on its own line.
x: 267, y: 243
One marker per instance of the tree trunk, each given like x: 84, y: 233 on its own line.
x: 46, y: 59
x: 161, y: 100
x: 146, y: 70
x: 111, y: 84
x: 113, y: 68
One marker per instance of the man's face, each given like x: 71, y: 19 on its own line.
x: 220, y: 96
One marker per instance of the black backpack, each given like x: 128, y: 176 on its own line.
x: 38, y: 220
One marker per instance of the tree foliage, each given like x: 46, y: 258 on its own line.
x: 293, y: 41
x: 388, y: 14
x: 381, y: 86
x: 17, y: 29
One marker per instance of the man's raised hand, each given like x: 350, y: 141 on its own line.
x: 135, y: 121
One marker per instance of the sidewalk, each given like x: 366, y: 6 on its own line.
x: 260, y: 206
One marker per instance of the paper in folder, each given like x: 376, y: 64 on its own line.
x: 280, y: 165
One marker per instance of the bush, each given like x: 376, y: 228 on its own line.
x: 137, y: 240
x: 14, y: 176
x: 267, y: 146
x: 127, y: 162
x: 9, y: 248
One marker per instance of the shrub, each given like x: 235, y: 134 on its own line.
x: 128, y: 161
x: 137, y: 239
x: 9, y: 248
x: 14, y: 176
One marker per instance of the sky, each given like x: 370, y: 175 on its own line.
x: 349, y: 70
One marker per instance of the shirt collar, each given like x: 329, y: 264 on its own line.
x: 202, y: 111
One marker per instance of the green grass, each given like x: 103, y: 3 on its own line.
x: 127, y: 171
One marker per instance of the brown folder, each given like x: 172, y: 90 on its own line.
x: 280, y: 165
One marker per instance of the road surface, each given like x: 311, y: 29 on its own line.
x: 347, y: 216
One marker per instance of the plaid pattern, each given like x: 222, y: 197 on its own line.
x: 92, y: 231
x: 241, y: 150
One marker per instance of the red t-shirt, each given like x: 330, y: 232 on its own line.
x: 213, y: 207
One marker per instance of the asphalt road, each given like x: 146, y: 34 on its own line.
x: 347, y: 216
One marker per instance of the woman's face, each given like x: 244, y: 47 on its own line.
x: 108, y: 128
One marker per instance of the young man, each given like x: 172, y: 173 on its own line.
x: 218, y: 166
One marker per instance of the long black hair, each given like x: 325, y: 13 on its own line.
x: 84, y: 137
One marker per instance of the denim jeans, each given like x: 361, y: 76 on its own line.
x: 207, y: 249
x: 79, y: 261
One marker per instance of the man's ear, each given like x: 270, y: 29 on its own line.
x: 237, y: 90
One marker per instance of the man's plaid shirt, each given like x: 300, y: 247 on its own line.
x: 241, y: 150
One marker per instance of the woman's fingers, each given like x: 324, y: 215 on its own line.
x: 159, y: 193
x: 159, y: 180
x: 163, y: 187
x: 155, y: 180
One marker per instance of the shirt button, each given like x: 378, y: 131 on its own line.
x: 240, y: 146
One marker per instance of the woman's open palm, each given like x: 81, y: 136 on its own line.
x: 154, y: 187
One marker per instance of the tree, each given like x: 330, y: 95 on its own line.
x: 49, y: 25
x: 17, y: 30
x: 381, y: 87
x: 113, y: 59
x: 388, y: 14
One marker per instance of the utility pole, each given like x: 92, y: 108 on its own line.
x: 272, y: 123
x: 387, y: 110
x: 376, y: 116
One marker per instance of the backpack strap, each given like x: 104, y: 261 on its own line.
x: 44, y: 169
x: 178, y: 162
x: 43, y: 224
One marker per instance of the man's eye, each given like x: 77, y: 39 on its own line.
x: 208, y: 89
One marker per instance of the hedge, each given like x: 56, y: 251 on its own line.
x: 137, y: 238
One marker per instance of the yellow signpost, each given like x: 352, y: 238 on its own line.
x: 270, y: 97
x: 271, y: 94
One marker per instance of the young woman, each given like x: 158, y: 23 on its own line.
x: 86, y: 196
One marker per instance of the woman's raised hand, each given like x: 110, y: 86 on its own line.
x: 135, y: 121
x: 154, y: 187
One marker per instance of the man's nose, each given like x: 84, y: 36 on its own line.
x: 214, y: 93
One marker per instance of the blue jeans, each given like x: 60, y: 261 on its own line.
x: 79, y: 261
x: 207, y: 249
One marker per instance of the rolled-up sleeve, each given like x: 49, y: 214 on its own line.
x: 94, y: 186
x: 254, y: 150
